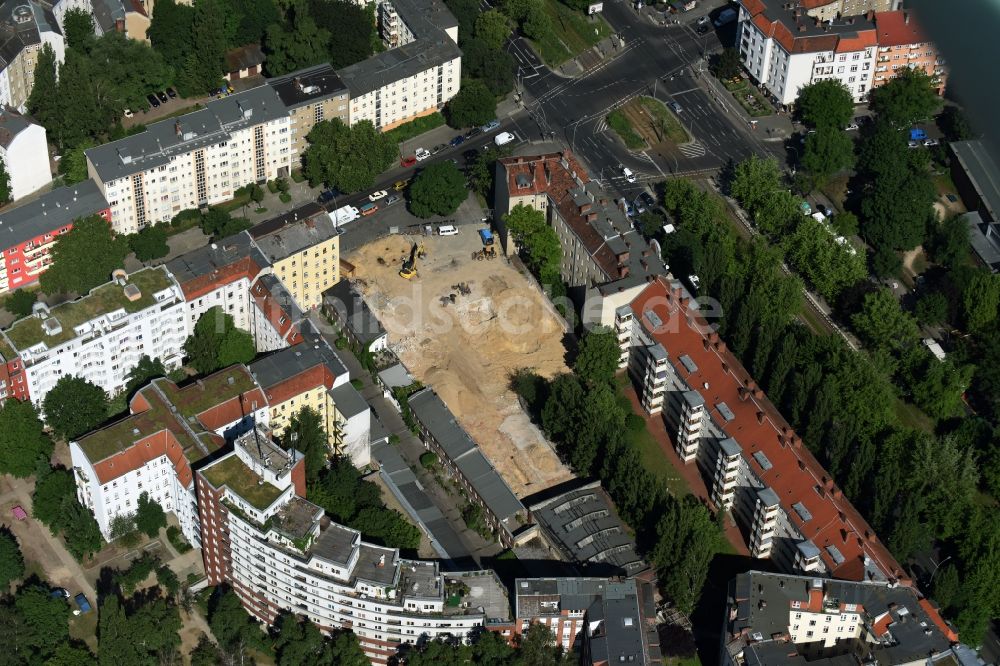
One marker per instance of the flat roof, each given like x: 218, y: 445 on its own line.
x: 50, y: 212
x: 235, y: 475
x: 305, y: 86
x: 211, y: 263
x: 167, y: 138
x: 353, y: 311
x: 982, y: 170
x: 335, y: 542
x: 289, y: 362
x: 201, y: 395
x: 348, y: 401
x: 107, y: 298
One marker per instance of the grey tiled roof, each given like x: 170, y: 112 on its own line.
x: 290, y: 361
x: 294, y: 236
x: 50, y: 212
x: 308, y: 85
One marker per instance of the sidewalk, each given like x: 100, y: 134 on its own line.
x: 775, y: 127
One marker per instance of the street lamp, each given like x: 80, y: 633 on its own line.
x: 934, y: 573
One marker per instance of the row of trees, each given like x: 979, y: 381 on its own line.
x: 535, y: 647
x: 592, y: 423
x: 842, y: 404
x: 538, y: 245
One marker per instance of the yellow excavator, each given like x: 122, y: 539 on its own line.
x: 409, y: 269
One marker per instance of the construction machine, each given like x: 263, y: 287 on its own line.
x: 421, y: 251
x: 409, y: 269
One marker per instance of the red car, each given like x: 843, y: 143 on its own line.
x: 408, y: 161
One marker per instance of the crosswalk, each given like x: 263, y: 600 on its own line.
x: 692, y: 149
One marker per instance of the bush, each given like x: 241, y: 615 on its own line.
x: 415, y: 127
x: 285, y: 197
x: 272, y: 186
x: 177, y: 540
x: 357, y: 383
x: 428, y: 459
x: 20, y: 302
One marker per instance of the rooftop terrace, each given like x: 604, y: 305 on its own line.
x: 102, y: 300
x: 203, y: 394
x: 234, y: 474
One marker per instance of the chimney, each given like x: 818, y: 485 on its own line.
x: 743, y: 393
x: 623, y: 270
x: 177, y: 128
x: 870, y: 15
x: 591, y: 217
x: 802, y: 28
x: 720, y: 346
x: 760, y: 417
x: 758, y: 394
x: 906, y: 17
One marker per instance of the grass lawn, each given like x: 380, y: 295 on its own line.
x: 84, y: 628
x: 623, y: 128
x: 910, y: 416
x: 237, y: 203
x: 756, y: 105
x: 572, y: 33
x: 665, y: 119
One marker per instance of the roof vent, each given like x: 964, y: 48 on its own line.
x: 21, y: 14
x: 132, y: 293
x: 51, y: 326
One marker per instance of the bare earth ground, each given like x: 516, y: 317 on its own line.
x: 467, y: 350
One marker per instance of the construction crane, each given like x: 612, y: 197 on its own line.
x: 409, y: 269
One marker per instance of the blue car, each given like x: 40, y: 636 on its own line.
x: 492, y: 125
x: 458, y: 140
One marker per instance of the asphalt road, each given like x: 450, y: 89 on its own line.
x: 651, y: 59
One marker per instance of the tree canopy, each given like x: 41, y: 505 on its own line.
x: 300, y: 642
x: 597, y: 360
x: 306, y: 433
x: 493, y: 28
x: 149, y: 516
x: 908, y: 98
x: 23, y: 440
x: 438, y: 190
x: 11, y: 560
x: 21, y: 302
x: 827, y: 151
x: 537, y: 242
x: 74, y: 406
x: 150, y: 243
x: 84, y: 258
x: 825, y: 104
x: 216, y: 343
x: 474, y: 104
x: 348, y: 158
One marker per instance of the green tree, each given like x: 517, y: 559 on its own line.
x: 439, y: 652
x: 211, y: 34
x: 537, y: 242
x: 149, y: 516
x: 84, y: 258
x: 980, y: 299
x: 827, y: 151
x: 301, y: 43
x: 566, y: 398
x: 494, y: 67
x: 825, y: 104
x: 348, y: 158
x: 217, y: 343
x: 117, y: 643
x: 150, y: 243
x: 726, y: 65
x: 5, y: 192
x: 70, y: 655
x: 346, y: 650
x: 597, y: 360
x: 438, y: 190
x: 305, y: 433
x: 79, y: 29
x: 11, y: 560
x: 47, y: 617
x: 954, y: 124
x: 846, y: 224
x: 23, y: 441
x: 932, y: 308
x: 493, y: 28
x: 387, y: 526
x: 473, y: 105
x: 687, y: 538
x: 171, y: 29
x: 205, y: 653
x: 537, y: 25
x: 936, y: 386
x: 146, y: 370
x: 830, y: 266
x: 73, y: 165
x: 909, y: 97
x: 42, y: 102
x: 74, y: 406
x: 882, y: 324
x: 352, y: 27
x: 231, y: 625
x: 254, y: 18
x: 21, y: 302
x: 236, y: 346
x: 949, y: 242
x: 53, y: 491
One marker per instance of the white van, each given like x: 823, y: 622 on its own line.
x: 447, y: 230
x: 503, y: 138
x: 629, y: 176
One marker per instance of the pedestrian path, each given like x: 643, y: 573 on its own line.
x: 692, y: 149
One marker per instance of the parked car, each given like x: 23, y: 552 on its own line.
x: 392, y: 199
x: 675, y: 106
x: 408, y: 161
x: 400, y: 185
x: 503, y: 138
x: 457, y: 141
x: 171, y: 93
x: 128, y: 113
x: 422, y: 154
x: 81, y: 601
x: 490, y: 126
x: 930, y: 142
x: 703, y: 29
x: 913, y: 144
x: 438, y: 148
x: 648, y: 199
x: 629, y: 176
x: 59, y: 593
x: 703, y: 20
x: 162, y: 96
x: 152, y: 100
x: 851, y: 127
x: 326, y: 196
x: 639, y: 205
x: 379, y: 194
x: 368, y: 209
x: 473, y: 132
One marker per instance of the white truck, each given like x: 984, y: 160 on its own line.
x: 344, y: 215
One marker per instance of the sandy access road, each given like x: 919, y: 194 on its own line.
x: 468, y: 349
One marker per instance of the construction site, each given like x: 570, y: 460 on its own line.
x: 463, y: 320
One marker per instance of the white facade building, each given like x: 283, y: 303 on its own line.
x: 279, y: 552
x: 26, y: 27
x: 195, y: 160
x: 785, y: 49
x: 101, y: 336
x: 25, y: 153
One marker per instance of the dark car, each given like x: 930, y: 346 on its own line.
x: 171, y: 93
x: 703, y: 29
x: 162, y: 96
x: 639, y: 206
x: 457, y: 141
x: 473, y: 132
x: 437, y: 149
x: 648, y: 199
x: 153, y: 101
x: 328, y: 195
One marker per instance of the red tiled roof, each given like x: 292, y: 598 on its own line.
x: 795, y: 476
x: 938, y: 620
x: 894, y: 30
x: 269, y: 305
x: 863, y: 40
x: 881, y: 625
x: 318, y: 375
x: 204, y: 284
x: 143, y: 451
x: 815, y: 4
x: 232, y: 410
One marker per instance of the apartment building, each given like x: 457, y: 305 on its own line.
x: 279, y: 552
x: 606, y: 621
x: 28, y: 231
x: 462, y: 459
x: 194, y: 160
x: 753, y: 463
x: 825, y: 10
x: 605, y: 261
x: 311, y: 95
x: 778, y: 619
x: 344, y: 305
x: 784, y: 49
x: 169, y: 429
x: 99, y: 337
x: 25, y: 153
x: 25, y: 27
x: 417, y: 75
x: 303, y: 254
x: 903, y: 45
x: 220, y: 275
x: 311, y: 375
x: 275, y: 321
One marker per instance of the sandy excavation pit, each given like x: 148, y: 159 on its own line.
x: 466, y: 348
